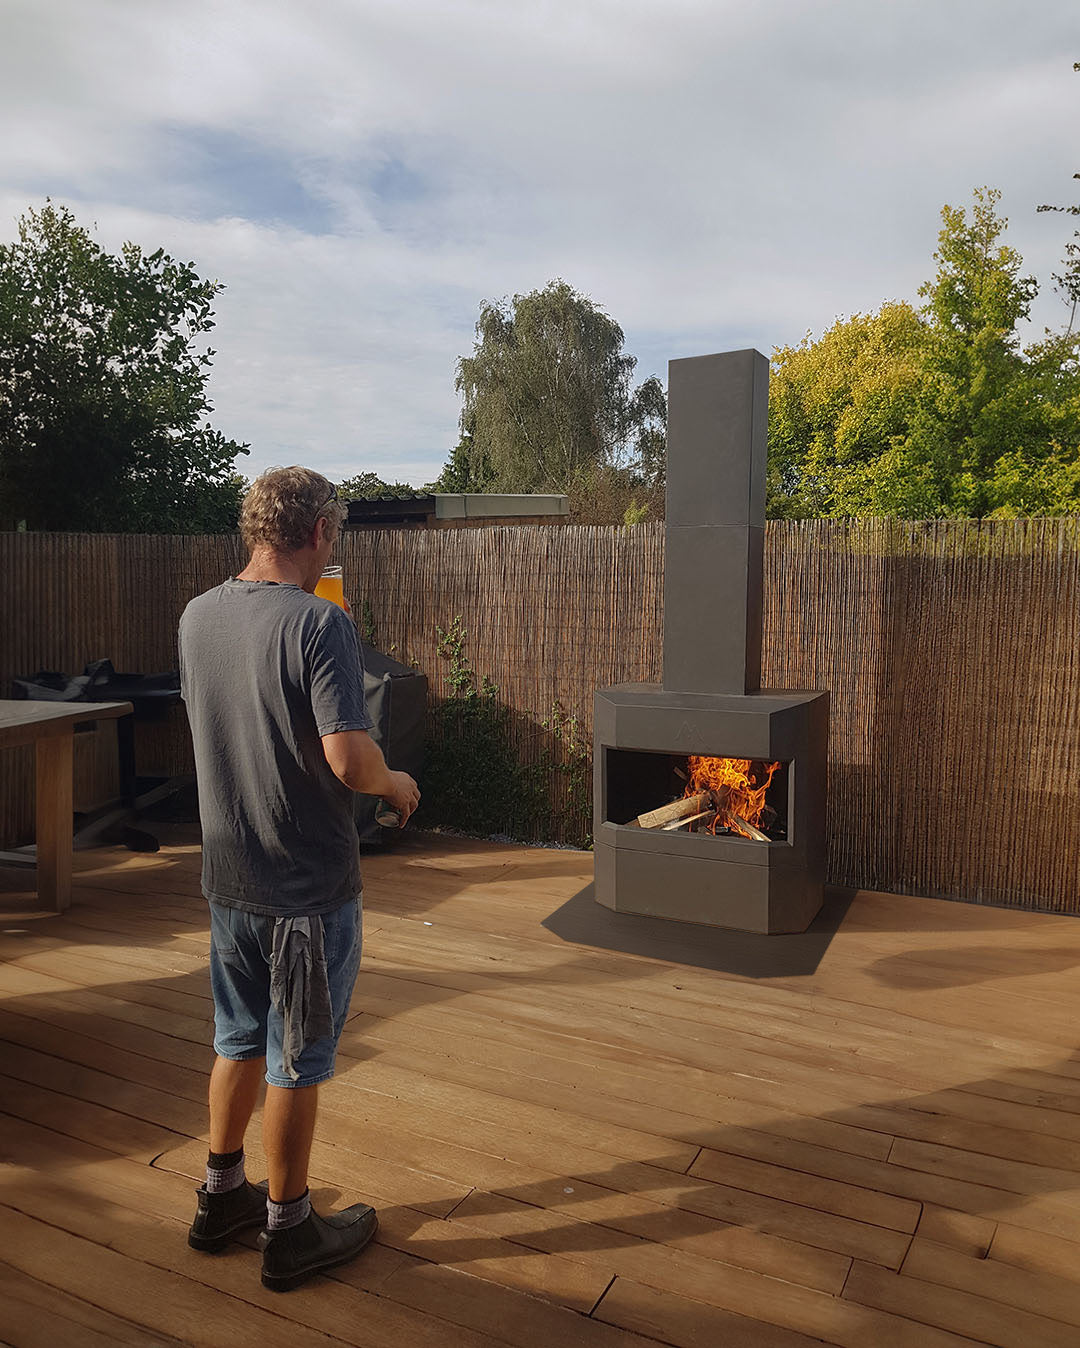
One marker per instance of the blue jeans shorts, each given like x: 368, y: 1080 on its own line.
x: 246, y: 1024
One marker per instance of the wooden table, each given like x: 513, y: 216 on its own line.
x: 49, y: 726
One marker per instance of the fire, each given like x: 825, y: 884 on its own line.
x: 737, y: 782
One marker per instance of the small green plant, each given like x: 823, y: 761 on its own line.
x: 461, y: 678
x: 475, y: 779
x: 636, y: 514
x: 367, y: 625
x: 567, y: 758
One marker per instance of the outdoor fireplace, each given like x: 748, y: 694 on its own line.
x: 709, y: 793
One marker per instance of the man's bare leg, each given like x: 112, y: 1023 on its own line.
x: 227, y: 1204
x: 234, y: 1090
x: 288, y: 1130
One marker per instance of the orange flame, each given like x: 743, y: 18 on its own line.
x: 733, y: 779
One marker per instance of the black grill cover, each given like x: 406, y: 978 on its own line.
x: 151, y: 695
x: 397, y: 700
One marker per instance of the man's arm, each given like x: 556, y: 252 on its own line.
x: 357, y: 760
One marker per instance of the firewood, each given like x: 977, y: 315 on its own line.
x: 685, y: 823
x: 678, y: 809
x: 739, y: 822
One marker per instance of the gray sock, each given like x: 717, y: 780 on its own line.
x: 280, y: 1216
x: 224, y: 1171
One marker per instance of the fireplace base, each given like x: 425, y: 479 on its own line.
x: 733, y: 882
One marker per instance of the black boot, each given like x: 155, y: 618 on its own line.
x: 291, y: 1256
x: 222, y: 1216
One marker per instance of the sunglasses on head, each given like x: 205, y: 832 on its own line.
x: 329, y: 500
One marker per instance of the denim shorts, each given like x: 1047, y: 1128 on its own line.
x: 246, y: 1024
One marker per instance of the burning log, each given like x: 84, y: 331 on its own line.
x: 689, y: 809
x: 677, y: 810
x: 685, y: 823
x: 739, y: 823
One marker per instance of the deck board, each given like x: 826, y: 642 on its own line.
x: 567, y: 1143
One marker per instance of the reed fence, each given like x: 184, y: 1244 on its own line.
x: 950, y: 648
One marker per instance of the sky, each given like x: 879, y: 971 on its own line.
x: 362, y: 174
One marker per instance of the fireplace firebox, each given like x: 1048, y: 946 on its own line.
x: 709, y: 793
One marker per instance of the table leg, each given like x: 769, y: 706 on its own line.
x: 54, y: 788
x: 125, y: 745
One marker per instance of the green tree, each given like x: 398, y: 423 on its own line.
x: 980, y: 384
x: 466, y: 470
x: 371, y: 487
x: 932, y: 413
x: 648, y: 426
x: 546, y: 393
x: 103, y: 400
x: 838, y: 408
x: 1003, y: 432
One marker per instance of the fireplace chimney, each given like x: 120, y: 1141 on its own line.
x: 716, y: 445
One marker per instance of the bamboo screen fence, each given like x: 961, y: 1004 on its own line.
x: 952, y: 651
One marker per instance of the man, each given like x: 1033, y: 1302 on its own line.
x: 273, y: 681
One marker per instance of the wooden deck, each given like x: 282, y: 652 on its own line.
x: 869, y: 1138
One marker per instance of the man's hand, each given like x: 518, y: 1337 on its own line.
x: 404, y: 795
x: 357, y: 760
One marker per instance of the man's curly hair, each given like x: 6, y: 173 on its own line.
x: 281, y: 506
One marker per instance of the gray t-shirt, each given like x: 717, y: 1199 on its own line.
x: 265, y: 670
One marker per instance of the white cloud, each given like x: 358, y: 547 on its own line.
x: 362, y: 173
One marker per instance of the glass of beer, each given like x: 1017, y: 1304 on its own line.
x: 330, y: 587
